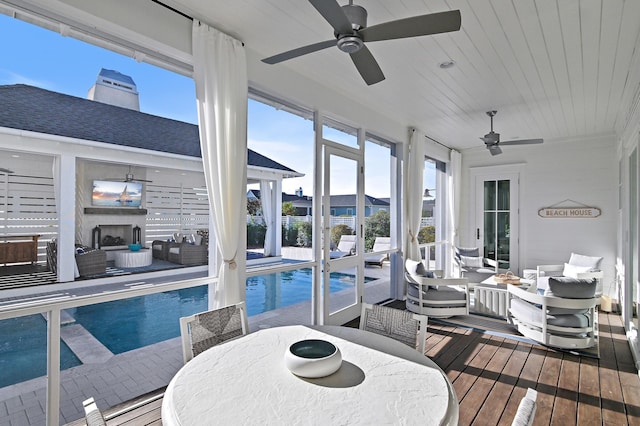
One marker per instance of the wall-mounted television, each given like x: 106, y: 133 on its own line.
x: 116, y: 194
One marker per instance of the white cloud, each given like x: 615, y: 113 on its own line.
x: 10, y: 77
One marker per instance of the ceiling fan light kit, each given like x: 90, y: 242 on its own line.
x: 349, y: 23
x: 492, y: 139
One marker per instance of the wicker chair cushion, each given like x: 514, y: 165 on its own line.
x: 394, y: 323
x: 211, y: 328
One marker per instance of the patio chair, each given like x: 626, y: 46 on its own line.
x: 346, y: 247
x: 430, y: 295
x: 526, y: 410
x: 188, y: 254
x: 403, y: 326
x: 467, y: 263
x: 201, y: 331
x: 92, y: 414
x: 564, y: 317
x: 380, y: 244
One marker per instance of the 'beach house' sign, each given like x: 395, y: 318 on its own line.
x: 569, y: 212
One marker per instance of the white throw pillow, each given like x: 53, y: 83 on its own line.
x: 471, y: 262
x: 197, y: 239
x: 572, y: 271
x: 592, y: 262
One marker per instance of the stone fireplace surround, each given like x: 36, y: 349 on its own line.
x: 117, y: 225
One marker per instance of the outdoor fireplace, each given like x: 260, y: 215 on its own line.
x: 104, y: 236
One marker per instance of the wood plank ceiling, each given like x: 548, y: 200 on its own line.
x: 552, y: 68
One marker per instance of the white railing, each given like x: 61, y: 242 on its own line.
x: 52, y: 308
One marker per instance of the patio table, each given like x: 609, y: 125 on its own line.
x: 245, y: 381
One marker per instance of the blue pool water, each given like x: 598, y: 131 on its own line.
x: 23, y: 350
x: 129, y: 324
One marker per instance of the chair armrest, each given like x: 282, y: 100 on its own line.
x: 552, y: 301
x: 436, y: 282
x: 544, y: 270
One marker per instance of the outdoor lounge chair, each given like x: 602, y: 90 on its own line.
x: 346, y: 247
x: 201, y: 331
x: 564, y: 317
x: 579, y: 266
x: 403, y: 326
x: 380, y: 244
x: 188, y: 254
x: 432, y: 296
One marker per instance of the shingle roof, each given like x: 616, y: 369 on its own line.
x: 38, y: 110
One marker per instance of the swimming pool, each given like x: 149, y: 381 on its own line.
x: 23, y: 350
x: 129, y: 324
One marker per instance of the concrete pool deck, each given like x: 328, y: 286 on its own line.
x: 113, y: 379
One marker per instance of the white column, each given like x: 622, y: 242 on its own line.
x: 277, y: 217
x: 66, y: 196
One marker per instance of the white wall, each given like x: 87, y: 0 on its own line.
x: 584, y: 171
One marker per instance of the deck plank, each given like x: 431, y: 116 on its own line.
x: 490, y: 375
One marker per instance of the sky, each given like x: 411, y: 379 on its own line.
x: 38, y: 57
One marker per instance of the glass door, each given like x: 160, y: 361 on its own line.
x: 497, y: 220
x: 342, y: 211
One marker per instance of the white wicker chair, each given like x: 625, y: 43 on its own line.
x: 92, y: 414
x: 526, y: 410
x: 201, y: 331
x: 403, y: 326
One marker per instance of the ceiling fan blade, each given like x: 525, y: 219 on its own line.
x: 299, y: 52
x: 522, y: 142
x: 494, y: 149
x: 367, y: 66
x: 333, y: 13
x: 7, y: 171
x: 433, y: 23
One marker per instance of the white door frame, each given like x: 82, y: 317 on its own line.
x: 324, y: 150
x: 478, y: 175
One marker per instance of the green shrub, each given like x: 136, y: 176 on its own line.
x: 376, y: 225
x: 255, y: 235
x: 304, y: 237
x: 289, y: 236
x: 338, y: 231
x: 427, y: 235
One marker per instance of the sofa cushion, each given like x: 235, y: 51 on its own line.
x: 472, y: 261
x: 441, y: 294
x: 571, y: 288
x: 572, y: 271
x: 416, y: 268
x: 467, y: 251
x: 592, y: 262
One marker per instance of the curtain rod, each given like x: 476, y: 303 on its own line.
x: 191, y: 18
x: 439, y: 143
x: 174, y: 10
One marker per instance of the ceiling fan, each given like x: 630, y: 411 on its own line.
x: 351, y: 33
x: 492, y: 139
x: 128, y: 177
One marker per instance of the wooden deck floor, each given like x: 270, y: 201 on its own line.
x: 491, y: 374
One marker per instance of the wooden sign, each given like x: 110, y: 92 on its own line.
x: 569, y: 212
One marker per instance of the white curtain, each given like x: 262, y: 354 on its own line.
x: 266, y: 198
x: 220, y: 74
x: 413, y: 193
x: 454, y: 191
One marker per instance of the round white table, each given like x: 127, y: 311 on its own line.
x: 133, y: 259
x: 245, y: 381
